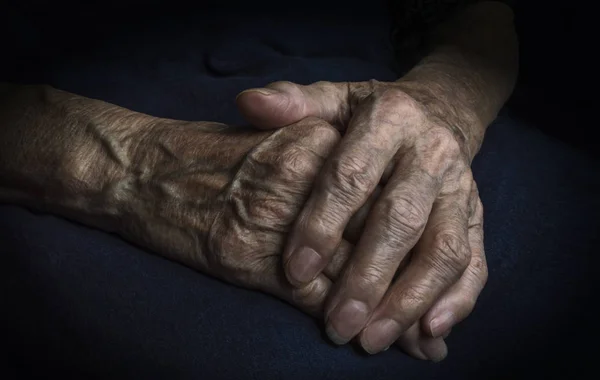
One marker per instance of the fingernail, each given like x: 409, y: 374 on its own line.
x: 346, y: 320
x: 379, y: 335
x: 262, y: 91
x: 439, y: 325
x: 435, y: 349
x: 304, y: 265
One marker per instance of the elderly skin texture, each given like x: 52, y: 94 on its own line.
x: 216, y: 198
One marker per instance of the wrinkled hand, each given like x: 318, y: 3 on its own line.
x: 223, y: 200
x: 419, y: 264
x: 219, y: 199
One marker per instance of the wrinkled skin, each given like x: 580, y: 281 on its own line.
x: 427, y: 221
x: 216, y: 198
x: 223, y: 200
x: 219, y: 199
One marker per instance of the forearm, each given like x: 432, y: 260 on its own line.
x: 471, y: 69
x: 59, y: 152
x: 107, y: 166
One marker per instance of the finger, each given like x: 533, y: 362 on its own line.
x: 415, y: 344
x: 338, y: 261
x: 351, y: 235
x: 438, y: 261
x: 275, y: 179
x: 459, y: 301
x: 357, y: 222
x: 408, y: 342
x: 310, y: 298
x: 393, y: 228
x: 265, y: 197
x: 446, y: 334
x: 346, y: 181
x: 435, y: 349
x: 283, y: 103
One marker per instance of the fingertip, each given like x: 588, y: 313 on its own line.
x: 346, y: 320
x: 413, y: 350
x: 439, y: 323
x: 379, y: 335
x: 269, y: 108
x: 311, y: 297
x: 334, y: 337
x: 303, y: 266
x: 435, y: 349
x: 264, y: 108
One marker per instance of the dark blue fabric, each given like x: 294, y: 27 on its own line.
x: 83, y: 303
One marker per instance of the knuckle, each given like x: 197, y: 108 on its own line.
x: 397, y: 107
x: 254, y: 205
x: 273, y: 212
x: 443, y: 140
x: 321, y: 132
x: 328, y: 234
x: 479, y: 268
x: 323, y: 227
x: 403, y: 216
x: 260, y: 161
x: 372, y: 276
x: 479, y: 210
x: 466, y: 181
x: 439, y: 151
x: 282, y: 85
x: 297, y: 164
x: 396, y: 99
x: 326, y: 88
x: 350, y: 178
x: 407, y: 300
x: 450, y: 253
x: 465, y: 305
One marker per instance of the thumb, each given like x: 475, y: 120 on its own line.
x: 283, y: 103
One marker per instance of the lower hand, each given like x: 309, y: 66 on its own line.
x: 213, y: 197
x: 223, y: 200
x: 419, y: 264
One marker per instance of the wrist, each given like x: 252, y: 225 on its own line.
x: 471, y: 68
x: 443, y: 106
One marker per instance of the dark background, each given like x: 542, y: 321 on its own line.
x: 557, y: 85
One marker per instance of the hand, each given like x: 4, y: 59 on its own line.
x: 222, y: 201
x: 427, y: 221
x: 216, y: 198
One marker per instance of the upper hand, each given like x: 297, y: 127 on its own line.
x: 427, y: 219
